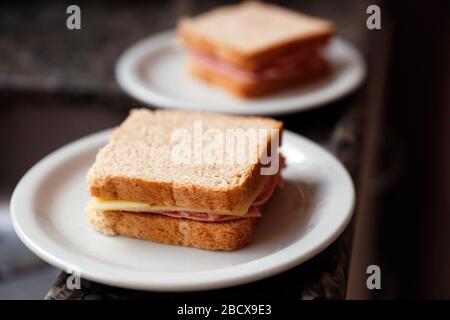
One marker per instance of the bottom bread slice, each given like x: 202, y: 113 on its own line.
x: 259, y: 88
x: 226, y: 236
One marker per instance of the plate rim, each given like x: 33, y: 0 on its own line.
x: 216, y: 278
x: 131, y: 84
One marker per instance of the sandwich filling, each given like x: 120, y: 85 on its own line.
x: 295, y: 64
x: 264, y: 193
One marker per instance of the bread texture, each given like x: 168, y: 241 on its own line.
x: 137, y: 164
x: 251, y: 34
x: 225, y: 236
x: 259, y: 88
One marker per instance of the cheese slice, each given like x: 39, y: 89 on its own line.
x: 98, y: 204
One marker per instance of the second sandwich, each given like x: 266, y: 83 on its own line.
x: 253, y: 49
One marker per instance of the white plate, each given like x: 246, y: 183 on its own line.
x: 153, y: 72
x: 48, y: 213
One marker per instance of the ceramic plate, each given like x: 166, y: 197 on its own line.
x: 302, y: 219
x: 153, y: 71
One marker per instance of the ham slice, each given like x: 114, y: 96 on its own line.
x: 268, y: 190
x: 282, y: 67
x: 253, y: 212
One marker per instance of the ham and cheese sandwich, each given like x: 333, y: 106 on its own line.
x: 253, y: 49
x: 139, y: 189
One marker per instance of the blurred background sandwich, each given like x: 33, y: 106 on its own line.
x: 254, y: 49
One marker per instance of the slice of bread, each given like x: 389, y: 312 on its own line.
x: 252, y: 34
x: 225, y: 236
x: 260, y: 88
x: 137, y: 165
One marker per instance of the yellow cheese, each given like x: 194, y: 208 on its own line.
x: 98, y: 204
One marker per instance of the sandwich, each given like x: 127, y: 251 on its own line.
x: 253, y: 49
x: 168, y: 177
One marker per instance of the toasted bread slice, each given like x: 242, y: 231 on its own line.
x: 225, y: 236
x: 137, y: 165
x: 307, y: 74
x: 252, y: 34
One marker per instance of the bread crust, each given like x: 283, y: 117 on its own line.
x: 256, y: 89
x: 223, y: 236
x: 162, y: 193
x: 254, y: 61
x: 311, y: 33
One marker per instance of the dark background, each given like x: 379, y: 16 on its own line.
x: 413, y: 208
x: 57, y: 85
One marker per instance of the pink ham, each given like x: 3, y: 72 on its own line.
x: 253, y: 212
x: 279, y: 68
x: 269, y: 189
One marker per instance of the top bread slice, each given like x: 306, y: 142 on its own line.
x: 251, y: 34
x: 138, y: 165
